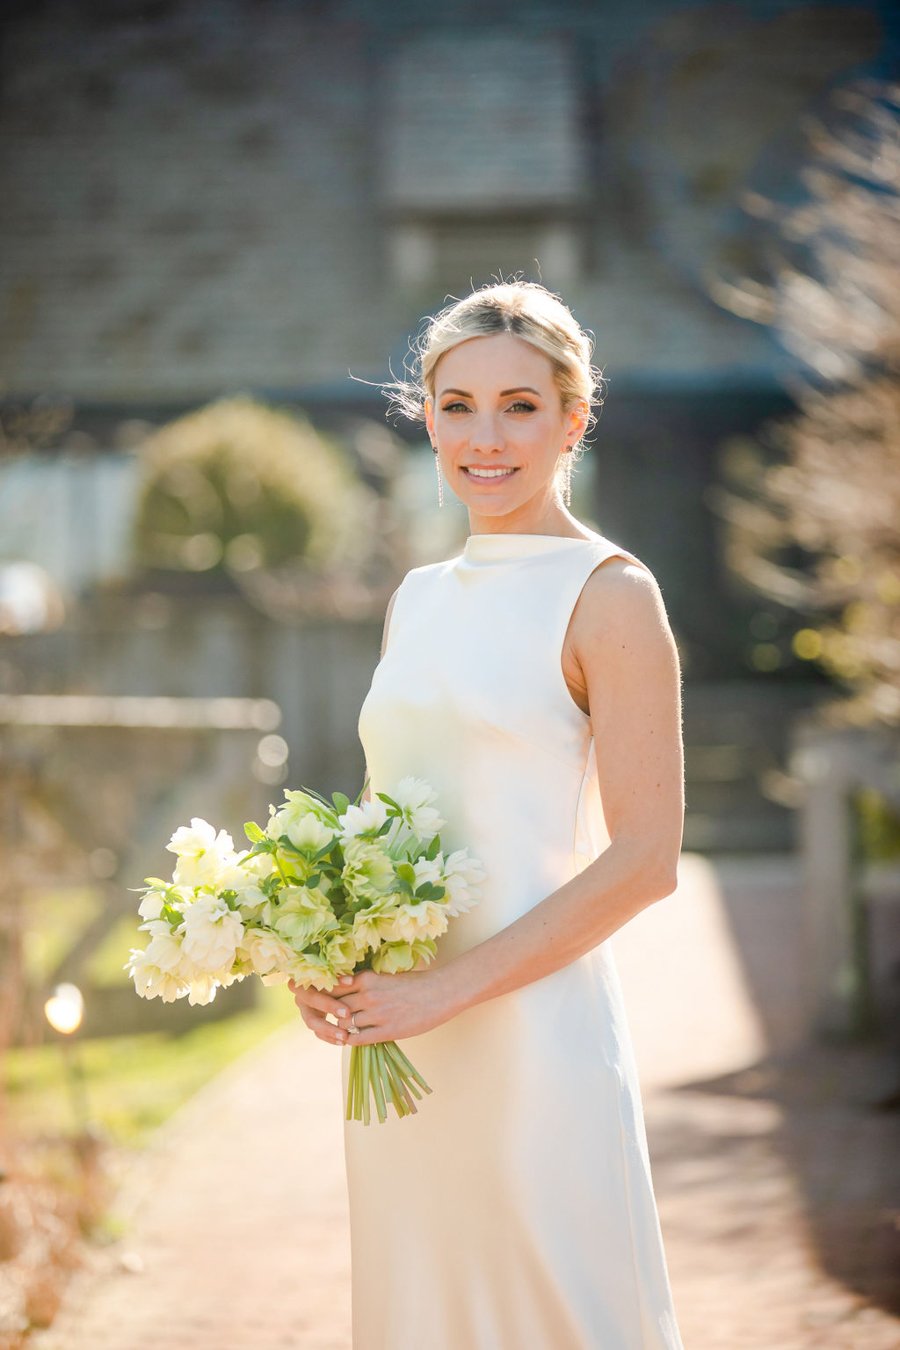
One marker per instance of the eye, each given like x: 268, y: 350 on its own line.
x: 452, y: 407
x: 521, y: 405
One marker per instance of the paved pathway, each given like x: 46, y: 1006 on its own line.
x: 772, y: 1169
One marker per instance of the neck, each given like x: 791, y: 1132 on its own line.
x: 554, y: 520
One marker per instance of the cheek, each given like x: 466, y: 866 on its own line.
x: 450, y: 437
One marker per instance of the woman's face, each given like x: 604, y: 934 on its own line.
x: 496, y: 407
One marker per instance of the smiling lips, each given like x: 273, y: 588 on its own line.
x: 474, y: 472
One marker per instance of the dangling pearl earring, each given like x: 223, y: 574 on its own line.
x: 437, y: 465
x: 567, y: 477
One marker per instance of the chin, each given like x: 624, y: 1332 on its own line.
x: 493, y: 509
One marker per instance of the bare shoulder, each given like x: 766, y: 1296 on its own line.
x: 617, y: 592
x: 619, y: 623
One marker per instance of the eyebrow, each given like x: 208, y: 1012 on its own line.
x: 504, y: 393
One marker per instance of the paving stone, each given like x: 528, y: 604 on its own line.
x: 774, y: 1170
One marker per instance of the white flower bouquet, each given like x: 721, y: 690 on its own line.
x: 326, y: 889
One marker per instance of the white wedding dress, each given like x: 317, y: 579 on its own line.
x: 515, y: 1210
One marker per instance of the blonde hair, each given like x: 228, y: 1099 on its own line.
x: 523, y: 308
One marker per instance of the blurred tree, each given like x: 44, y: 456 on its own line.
x: 238, y: 486
x: 813, y: 517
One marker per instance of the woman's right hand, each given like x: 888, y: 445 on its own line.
x: 315, y: 1006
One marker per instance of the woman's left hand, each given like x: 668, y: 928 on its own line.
x: 392, y: 1007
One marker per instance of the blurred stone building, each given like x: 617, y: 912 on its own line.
x: 250, y: 195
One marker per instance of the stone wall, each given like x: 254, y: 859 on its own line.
x: 195, y: 194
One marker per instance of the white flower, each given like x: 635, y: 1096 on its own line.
x: 365, y: 819
x: 202, y: 989
x: 428, y: 869
x: 151, y: 981
x: 302, y: 915
x: 278, y: 977
x: 244, y: 873
x: 368, y: 872
x: 400, y: 956
x: 366, y: 927
x: 344, y: 951
x: 251, y: 901
x: 409, y: 922
x: 202, y: 854
x: 152, y: 905
x: 165, y: 951
x: 461, y: 874
x: 393, y: 957
x: 175, y: 898
x: 266, y: 951
x: 243, y: 877
x: 211, y: 933
x: 306, y: 822
x: 414, y: 797
x: 157, y: 927
x: 307, y: 970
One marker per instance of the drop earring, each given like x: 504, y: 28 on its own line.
x: 437, y: 465
x: 567, y: 477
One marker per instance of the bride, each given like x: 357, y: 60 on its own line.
x: 533, y: 680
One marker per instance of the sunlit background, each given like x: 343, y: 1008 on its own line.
x: 222, y: 224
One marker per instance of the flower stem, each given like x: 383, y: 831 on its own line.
x: 367, y: 1078
x: 409, y: 1068
x: 377, y: 1085
x: 381, y: 1071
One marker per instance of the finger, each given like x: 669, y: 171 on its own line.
x: 367, y: 1036
x: 321, y: 1002
x: 325, y: 1030
x: 354, y: 983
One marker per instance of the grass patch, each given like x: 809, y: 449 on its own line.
x: 135, y: 1083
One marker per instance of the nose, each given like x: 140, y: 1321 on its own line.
x: 485, y: 433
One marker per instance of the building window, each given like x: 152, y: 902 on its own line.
x: 482, y: 163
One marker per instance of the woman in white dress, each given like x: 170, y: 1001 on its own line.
x: 534, y: 681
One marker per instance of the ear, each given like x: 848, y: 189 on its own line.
x: 577, y: 423
x: 429, y: 417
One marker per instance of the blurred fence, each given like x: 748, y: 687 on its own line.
x: 92, y: 789
x: 317, y: 671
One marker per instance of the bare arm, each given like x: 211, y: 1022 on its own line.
x: 367, y: 795
x: 629, y: 660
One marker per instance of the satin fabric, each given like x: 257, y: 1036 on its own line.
x: 515, y: 1210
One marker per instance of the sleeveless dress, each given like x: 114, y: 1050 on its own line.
x: 515, y: 1210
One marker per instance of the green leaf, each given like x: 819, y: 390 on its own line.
x: 253, y: 832
x: 434, y: 848
x: 311, y: 792
x: 429, y: 891
x: 340, y: 802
